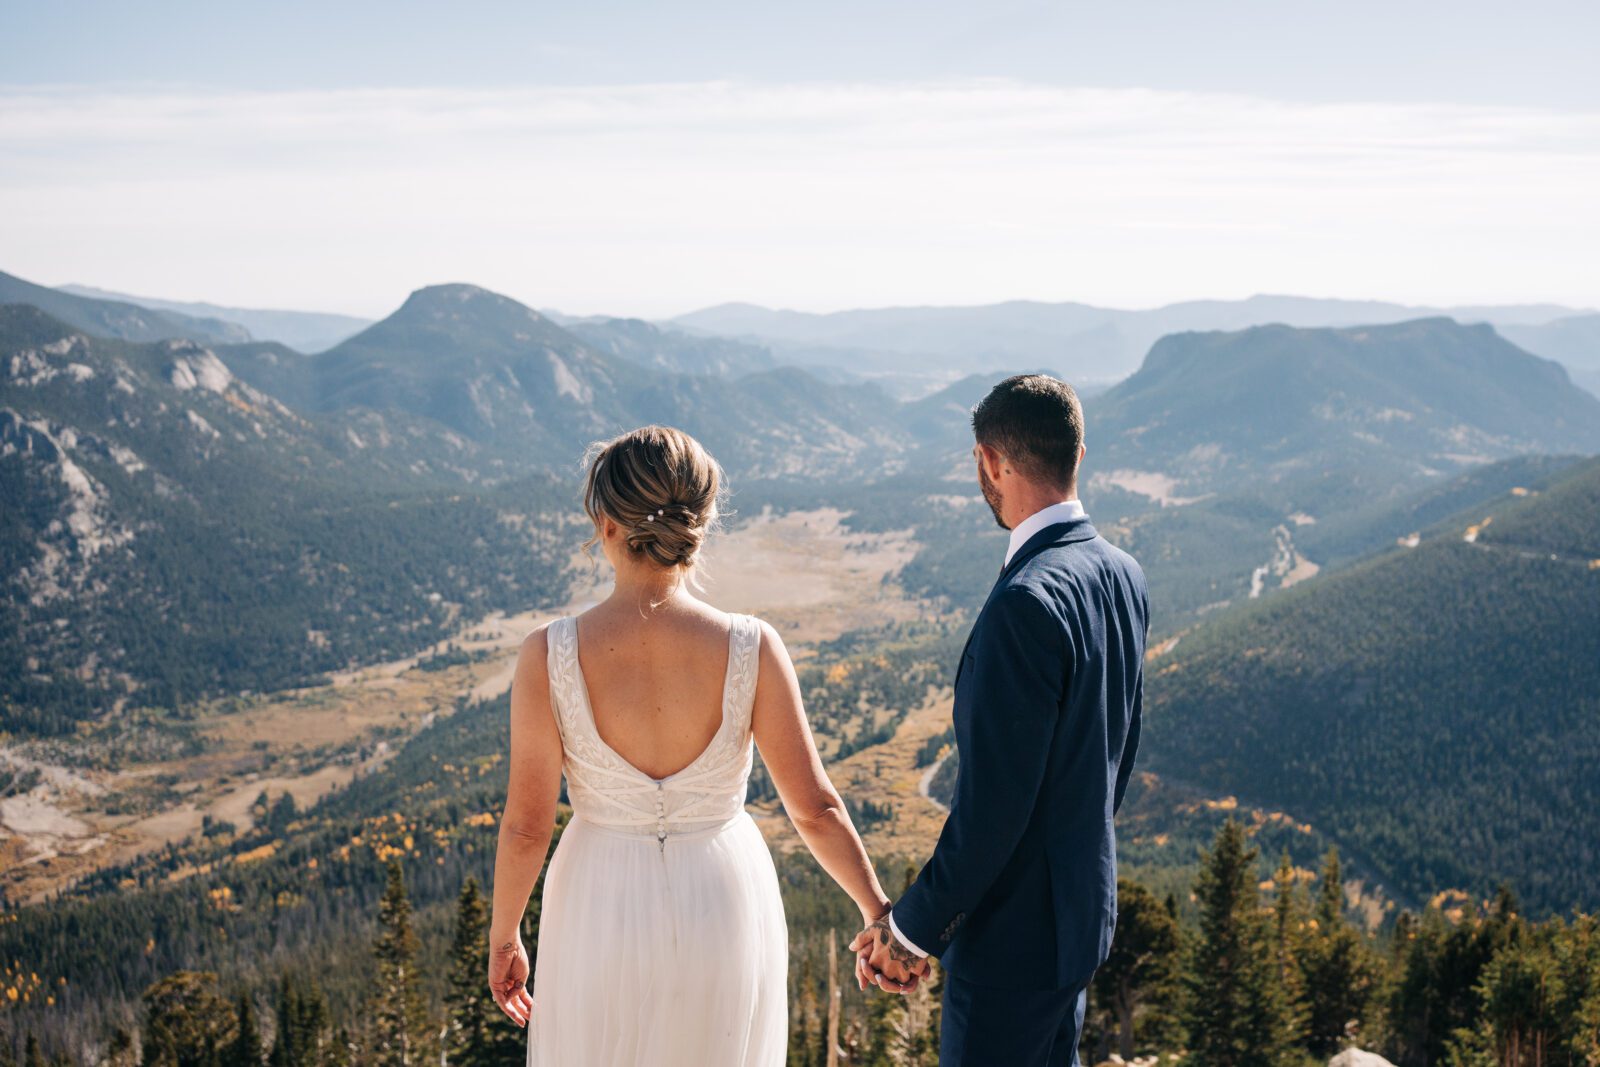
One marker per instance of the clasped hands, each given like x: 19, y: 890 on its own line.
x: 884, y: 961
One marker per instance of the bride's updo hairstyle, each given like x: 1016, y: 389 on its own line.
x: 660, y: 486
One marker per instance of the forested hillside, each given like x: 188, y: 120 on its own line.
x: 1436, y: 709
x: 171, y: 532
x: 525, y: 394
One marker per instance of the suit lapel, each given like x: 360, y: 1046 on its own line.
x: 1060, y: 533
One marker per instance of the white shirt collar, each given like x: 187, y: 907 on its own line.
x: 1065, y: 511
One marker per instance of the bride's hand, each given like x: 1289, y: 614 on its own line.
x: 508, y: 978
x: 882, y: 960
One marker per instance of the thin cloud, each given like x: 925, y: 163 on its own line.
x: 651, y: 199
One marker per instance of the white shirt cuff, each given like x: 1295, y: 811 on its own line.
x: 903, y: 939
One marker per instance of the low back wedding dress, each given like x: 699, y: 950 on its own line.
x: 662, y: 940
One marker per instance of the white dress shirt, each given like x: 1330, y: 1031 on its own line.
x: 1065, y: 511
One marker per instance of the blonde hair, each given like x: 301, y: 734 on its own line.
x: 661, y: 486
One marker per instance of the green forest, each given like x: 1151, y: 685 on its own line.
x: 1434, y: 708
x: 261, y: 946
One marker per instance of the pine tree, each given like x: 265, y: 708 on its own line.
x: 302, y: 1026
x: 1339, y: 972
x: 1522, y: 992
x: 466, y: 1029
x: 186, y: 1022
x: 1577, y: 952
x: 805, y: 1031
x: 1436, y: 995
x: 477, y: 1033
x: 342, y: 1052
x: 1235, y: 1008
x: 1290, y: 923
x: 245, y: 1049
x: 399, y: 1027
x: 1140, y: 977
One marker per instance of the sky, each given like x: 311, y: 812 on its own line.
x: 649, y: 159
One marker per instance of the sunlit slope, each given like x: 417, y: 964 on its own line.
x: 1437, y: 709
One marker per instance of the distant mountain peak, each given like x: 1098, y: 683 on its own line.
x: 455, y: 297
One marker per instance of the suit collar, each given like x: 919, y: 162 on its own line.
x: 1058, y: 533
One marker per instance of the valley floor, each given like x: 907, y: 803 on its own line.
x: 804, y: 572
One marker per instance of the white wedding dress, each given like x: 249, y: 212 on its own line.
x: 662, y: 940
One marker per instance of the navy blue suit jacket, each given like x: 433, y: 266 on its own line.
x: 1021, y: 890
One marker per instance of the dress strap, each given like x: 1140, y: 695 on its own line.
x: 739, y: 696
x: 561, y: 661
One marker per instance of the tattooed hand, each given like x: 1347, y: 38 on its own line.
x: 884, y: 961
x: 508, y: 977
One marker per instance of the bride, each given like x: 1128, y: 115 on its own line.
x: 661, y: 936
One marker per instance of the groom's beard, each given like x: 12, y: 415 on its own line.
x: 991, y: 496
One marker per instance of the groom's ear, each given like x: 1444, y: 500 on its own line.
x: 991, y: 460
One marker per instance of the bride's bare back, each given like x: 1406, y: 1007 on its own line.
x: 656, y: 682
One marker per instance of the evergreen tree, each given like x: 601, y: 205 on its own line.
x: 342, y: 1052
x: 1290, y: 923
x: 466, y: 1026
x: 1521, y: 992
x: 1437, y: 995
x: 186, y: 1022
x: 1577, y: 950
x: 806, y: 1028
x: 302, y: 1025
x: 399, y: 1028
x: 245, y: 1049
x: 477, y: 1034
x: 1339, y: 972
x: 1235, y: 1009
x: 1140, y: 977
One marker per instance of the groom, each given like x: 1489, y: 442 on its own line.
x: 1019, y: 899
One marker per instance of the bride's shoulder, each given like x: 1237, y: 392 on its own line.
x: 773, y: 649
x: 535, y: 647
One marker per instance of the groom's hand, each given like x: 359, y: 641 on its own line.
x: 884, y: 961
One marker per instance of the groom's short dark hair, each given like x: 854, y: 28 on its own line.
x: 1036, y: 422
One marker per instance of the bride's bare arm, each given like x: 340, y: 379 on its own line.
x: 532, y: 790
x: 814, y: 806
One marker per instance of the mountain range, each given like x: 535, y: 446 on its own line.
x: 1236, y: 463
x: 118, y: 319
x: 308, y: 331
x: 184, y: 520
x: 172, y: 532
x: 1088, y: 344
x: 1276, y: 409
x: 524, y: 393
x: 1214, y: 463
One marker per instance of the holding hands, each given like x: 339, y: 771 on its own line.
x: 884, y: 960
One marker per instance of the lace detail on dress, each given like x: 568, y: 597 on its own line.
x: 607, y: 790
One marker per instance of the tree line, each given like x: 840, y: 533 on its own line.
x: 1251, y: 973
